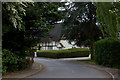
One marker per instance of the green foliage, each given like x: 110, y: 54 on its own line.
x: 79, y: 28
x: 24, y: 24
x: 12, y: 13
x: 67, y: 53
x: 81, y: 34
x: 88, y: 61
x: 12, y: 62
x: 80, y: 25
x: 15, y: 42
x: 107, y: 52
x: 108, y: 15
x: 39, y: 19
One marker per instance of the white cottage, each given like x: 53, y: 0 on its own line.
x: 55, y: 41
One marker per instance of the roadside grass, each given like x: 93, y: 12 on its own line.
x: 37, y: 63
x: 88, y: 61
x: 117, y: 67
x: 93, y: 62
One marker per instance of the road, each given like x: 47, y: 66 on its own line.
x: 67, y: 69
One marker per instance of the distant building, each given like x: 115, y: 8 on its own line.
x: 55, y: 41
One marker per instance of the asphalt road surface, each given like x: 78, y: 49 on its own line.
x: 67, y: 69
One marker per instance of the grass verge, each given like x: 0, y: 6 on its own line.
x: 93, y: 62
x: 88, y: 61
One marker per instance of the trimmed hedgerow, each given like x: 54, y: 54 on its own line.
x: 66, y: 53
x: 107, y: 52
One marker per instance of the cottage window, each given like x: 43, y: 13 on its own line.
x: 50, y: 48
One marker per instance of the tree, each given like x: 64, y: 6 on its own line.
x: 39, y: 19
x: 81, y: 24
x: 12, y: 13
x: 38, y: 24
x: 108, y: 16
x: 12, y: 22
x: 23, y: 26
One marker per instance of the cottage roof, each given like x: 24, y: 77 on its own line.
x: 54, y: 34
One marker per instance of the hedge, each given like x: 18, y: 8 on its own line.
x: 11, y: 62
x: 66, y: 53
x: 107, y: 52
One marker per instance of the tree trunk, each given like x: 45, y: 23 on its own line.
x: 92, y: 48
x: 91, y: 35
x: 30, y: 62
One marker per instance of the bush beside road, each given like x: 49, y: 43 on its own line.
x: 107, y: 52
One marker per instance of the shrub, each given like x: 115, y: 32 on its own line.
x: 12, y: 62
x: 107, y: 52
x: 67, y: 53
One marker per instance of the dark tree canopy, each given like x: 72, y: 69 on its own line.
x: 81, y: 23
x: 25, y: 23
